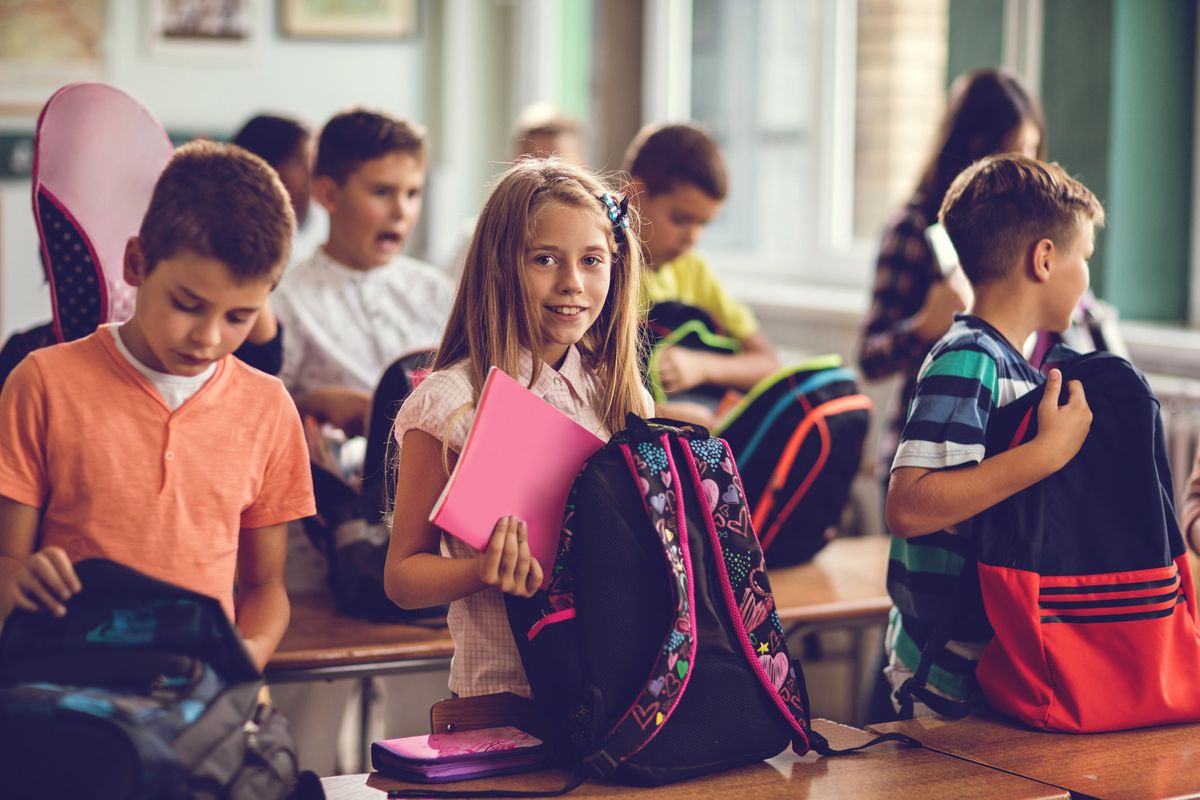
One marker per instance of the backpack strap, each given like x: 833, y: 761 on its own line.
x: 653, y: 471
x: 814, y: 418
x: 744, y: 584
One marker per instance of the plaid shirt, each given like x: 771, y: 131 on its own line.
x: 904, y: 272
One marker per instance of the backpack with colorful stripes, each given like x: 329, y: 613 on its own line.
x: 798, y: 439
x: 1085, y: 576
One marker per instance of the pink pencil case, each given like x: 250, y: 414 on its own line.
x: 441, y: 757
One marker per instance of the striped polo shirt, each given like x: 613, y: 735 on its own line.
x: 970, y: 371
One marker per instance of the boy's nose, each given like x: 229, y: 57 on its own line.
x: 207, y: 333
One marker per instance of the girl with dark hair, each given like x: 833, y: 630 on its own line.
x: 989, y: 111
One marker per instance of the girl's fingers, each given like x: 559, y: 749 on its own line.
x: 534, y: 581
x: 521, y: 567
x: 492, y: 555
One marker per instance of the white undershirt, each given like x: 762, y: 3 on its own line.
x: 175, y: 389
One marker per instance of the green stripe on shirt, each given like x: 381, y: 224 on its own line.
x: 970, y: 364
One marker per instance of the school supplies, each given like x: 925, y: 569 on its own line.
x: 519, y: 458
x: 441, y: 757
x: 1084, y: 575
x: 142, y: 690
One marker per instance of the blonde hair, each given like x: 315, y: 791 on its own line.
x: 494, y: 314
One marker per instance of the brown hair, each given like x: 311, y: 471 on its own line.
x: 543, y: 120
x: 664, y: 156
x: 220, y: 201
x: 1000, y: 205
x: 359, y: 135
x: 985, y: 112
x: 493, y: 313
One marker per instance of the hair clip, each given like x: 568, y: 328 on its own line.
x: 618, y: 214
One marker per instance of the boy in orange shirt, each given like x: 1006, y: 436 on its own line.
x: 147, y: 443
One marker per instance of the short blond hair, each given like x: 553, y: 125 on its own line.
x: 1000, y: 205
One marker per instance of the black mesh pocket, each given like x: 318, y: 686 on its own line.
x: 73, y: 274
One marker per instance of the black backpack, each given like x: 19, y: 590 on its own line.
x: 650, y: 662
x: 673, y: 324
x: 798, y: 440
x: 356, y: 554
x: 142, y: 690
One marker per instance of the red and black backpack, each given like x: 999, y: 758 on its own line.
x: 1084, y: 575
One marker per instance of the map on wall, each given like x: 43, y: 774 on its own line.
x: 45, y: 44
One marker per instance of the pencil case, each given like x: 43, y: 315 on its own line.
x: 441, y: 757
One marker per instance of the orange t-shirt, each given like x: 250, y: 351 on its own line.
x: 117, y: 475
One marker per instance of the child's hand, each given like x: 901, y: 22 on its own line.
x: 1062, y: 429
x: 340, y: 406
x: 46, y: 581
x: 679, y: 369
x: 506, y: 563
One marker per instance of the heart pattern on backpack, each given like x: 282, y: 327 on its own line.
x: 644, y: 715
x: 777, y: 668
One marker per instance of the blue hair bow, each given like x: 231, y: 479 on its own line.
x: 617, y: 213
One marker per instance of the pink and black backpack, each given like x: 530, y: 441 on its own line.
x: 656, y: 654
x: 97, y: 155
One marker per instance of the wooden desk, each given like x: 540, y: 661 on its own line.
x: 887, y: 770
x: 322, y: 644
x: 843, y: 587
x: 845, y: 584
x: 1147, y: 763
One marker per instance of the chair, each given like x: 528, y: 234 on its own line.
x: 97, y: 155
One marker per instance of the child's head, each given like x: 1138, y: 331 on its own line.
x: 543, y: 130
x: 1012, y: 217
x: 212, y: 245
x: 989, y: 111
x: 370, y: 177
x: 287, y: 145
x: 547, y: 269
x: 678, y: 184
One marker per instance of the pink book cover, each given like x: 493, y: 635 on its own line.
x: 520, y: 458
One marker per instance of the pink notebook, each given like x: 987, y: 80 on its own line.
x: 458, y: 756
x: 520, y: 458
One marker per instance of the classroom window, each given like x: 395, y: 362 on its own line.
x: 825, y: 111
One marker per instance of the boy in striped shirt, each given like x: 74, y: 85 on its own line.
x: 1024, y: 231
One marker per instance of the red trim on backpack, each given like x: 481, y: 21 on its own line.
x: 1111, y: 667
x: 1024, y: 426
x: 815, y: 417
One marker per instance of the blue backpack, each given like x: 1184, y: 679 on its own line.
x: 142, y: 690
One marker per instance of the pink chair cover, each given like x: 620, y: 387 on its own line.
x: 97, y: 156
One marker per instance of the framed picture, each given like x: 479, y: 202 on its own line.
x: 44, y: 45
x: 202, y: 28
x: 348, y: 19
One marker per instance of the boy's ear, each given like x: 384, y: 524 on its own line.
x: 1041, y: 258
x: 134, y: 262
x: 325, y: 190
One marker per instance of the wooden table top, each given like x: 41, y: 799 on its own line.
x: 886, y: 770
x: 319, y: 636
x: 1147, y: 763
x: 847, y: 580
x: 844, y: 582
